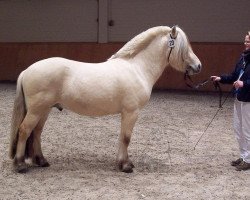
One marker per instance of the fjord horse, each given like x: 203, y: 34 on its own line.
x: 123, y: 84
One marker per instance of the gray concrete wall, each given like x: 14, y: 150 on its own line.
x: 202, y: 20
x: 76, y: 20
x: 48, y: 21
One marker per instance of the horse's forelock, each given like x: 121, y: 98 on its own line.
x: 184, y: 43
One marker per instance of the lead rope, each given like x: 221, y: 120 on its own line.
x: 197, y: 86
x: 217, y: 87
x: 221, y: 104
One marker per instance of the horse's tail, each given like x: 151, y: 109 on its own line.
x: 18, y: 115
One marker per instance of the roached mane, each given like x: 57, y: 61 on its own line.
x: 139, y: 42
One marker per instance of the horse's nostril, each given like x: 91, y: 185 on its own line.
x: 199, y: 67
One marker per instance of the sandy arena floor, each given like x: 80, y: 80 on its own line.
x: 82, y: 152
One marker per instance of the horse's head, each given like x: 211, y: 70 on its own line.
x: 180, y: 55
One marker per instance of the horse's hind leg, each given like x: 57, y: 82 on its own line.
x: 35, y: 150
x: 29, y: 123
x: 127, y: 124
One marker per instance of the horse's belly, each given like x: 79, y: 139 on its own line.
x: 93, y: 109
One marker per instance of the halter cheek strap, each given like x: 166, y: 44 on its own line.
x: 171, y: 45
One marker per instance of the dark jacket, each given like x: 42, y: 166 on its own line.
x: 243, y: 94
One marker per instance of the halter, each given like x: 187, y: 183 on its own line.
x: 171, y: 44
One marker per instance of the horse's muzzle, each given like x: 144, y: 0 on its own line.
x: 190, y: 70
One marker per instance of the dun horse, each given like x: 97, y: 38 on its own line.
x: 123, y: 84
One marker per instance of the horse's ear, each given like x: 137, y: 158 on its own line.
x: 174, y: 32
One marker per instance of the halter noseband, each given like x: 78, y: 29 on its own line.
x: 171, y: 44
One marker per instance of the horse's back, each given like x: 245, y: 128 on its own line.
x: 52, y: 70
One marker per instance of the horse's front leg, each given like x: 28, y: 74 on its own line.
x: 128, y: 120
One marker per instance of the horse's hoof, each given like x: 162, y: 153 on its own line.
x: 21, y: 168
x: 46, y: 164
x: 19, y: 165
x: 41, y: 162
x: 126, y: 167
x: 132, y: 165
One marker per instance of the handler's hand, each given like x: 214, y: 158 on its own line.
x: 238, y: 84
x: 215, y: 78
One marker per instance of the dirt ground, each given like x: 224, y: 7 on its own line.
x: 82, y: 152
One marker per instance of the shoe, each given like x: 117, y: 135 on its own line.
x: 243, y: 166
x: 236, y: 162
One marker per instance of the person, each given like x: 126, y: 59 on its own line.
x: 240, y: 78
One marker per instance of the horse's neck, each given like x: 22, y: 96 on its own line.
x: 152, y: 61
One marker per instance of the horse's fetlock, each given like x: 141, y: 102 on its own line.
x: 17, y: 161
